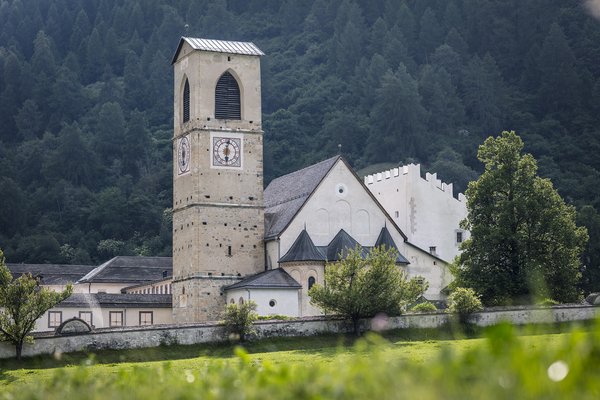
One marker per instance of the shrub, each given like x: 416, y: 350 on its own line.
x: 277, y: 317
x: 547, y: 302
x: 464, y: 301
x: 424, y: 307
x: 239, y: 319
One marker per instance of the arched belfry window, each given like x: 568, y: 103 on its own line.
x: 311, y: 282
x: 227, y: 98
x: 186, y: 101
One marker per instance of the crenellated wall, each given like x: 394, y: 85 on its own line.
x: 424, y: 208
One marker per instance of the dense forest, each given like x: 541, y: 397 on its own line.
x: 86, y: 103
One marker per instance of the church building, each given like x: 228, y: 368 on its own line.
x: 232, y: 242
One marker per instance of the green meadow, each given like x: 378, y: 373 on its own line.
x: 501, y: 362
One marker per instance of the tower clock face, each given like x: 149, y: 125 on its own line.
x: 226, y: 152
x: 183, y: 155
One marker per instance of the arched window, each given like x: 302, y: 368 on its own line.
x: 311, y: 282
x: 241, y: 301
x: 186, y: 101
x: 227, y: 98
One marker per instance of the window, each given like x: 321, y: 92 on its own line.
x: 311, y: 282
x: 115, y: 318
x: 232, y: 301
x: 459, y: 237
x: 272, y: 303
x: 241, y: 301
x: 146, y: 317
x: 87, y: 317
x: 54, y: 319
x: 186, y: 101
x: 397, y: 214
x: 227, y: 98
x: 432, y: 250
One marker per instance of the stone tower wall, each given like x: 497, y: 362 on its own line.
x: 218, y: 212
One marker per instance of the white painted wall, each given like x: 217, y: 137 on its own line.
x: 327, y: 211
x: 100, y: 316
x: 286, y: 300
x: 424, y: 209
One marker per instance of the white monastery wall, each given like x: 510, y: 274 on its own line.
x: 285, y: 301
x: 302, y: 272
x: 424, y: 209
x: 152, y: 336
x: 432, y: 269
x: 100, y: 317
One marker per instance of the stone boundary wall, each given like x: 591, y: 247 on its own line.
x: 137, y: 337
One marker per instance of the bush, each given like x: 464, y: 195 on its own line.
x: 239, y: 320
x: 464, y: 301
x: 276, y: 317
x: 424, y: 307
x: 547, y: 302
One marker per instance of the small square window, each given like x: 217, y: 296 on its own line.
x: 432, y: 250
x: 459, y: 237
x: 87, y: 317
x: 146, y: 318
x: 54, y: 319
x: 116, y: 318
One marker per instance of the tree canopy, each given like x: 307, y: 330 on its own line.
x: 22, y: 302
x: 524, y: 241
x: 362, y: 287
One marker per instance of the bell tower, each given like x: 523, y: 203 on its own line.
x: 218, y: 213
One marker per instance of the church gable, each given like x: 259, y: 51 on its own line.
x: 339, y: 202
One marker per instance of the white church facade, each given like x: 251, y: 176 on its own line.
x: 234, y: 241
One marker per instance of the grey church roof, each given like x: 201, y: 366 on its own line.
x: 117, y: 300
x: 340, y: 245
x: 385, y: 239
x: 51, y: 274
x: 303, y: 249
x: 286, y: 195
x: 219, y: 46
x: 272, y: 279
x: 130, y: 269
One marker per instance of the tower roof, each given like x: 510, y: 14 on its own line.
x: 340, y: 245
x: 385, y: 239
x: 272, y: 279
x: 303, y: 249
x: 219, y: 46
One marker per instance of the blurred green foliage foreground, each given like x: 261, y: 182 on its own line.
x: 500, y: 366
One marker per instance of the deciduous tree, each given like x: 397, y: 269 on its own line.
x: 22, y: 302
x: 524, y: 241
x: 361, y: 287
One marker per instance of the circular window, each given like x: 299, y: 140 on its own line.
x: 341, y: 190
x: 272, y: 303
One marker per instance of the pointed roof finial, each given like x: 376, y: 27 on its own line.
x: 304, y: 225
x: 340, y: 149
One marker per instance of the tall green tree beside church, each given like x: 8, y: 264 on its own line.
x: 524, y: 241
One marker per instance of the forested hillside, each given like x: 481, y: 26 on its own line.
x: 86, y: 102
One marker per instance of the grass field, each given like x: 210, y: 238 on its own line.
x: 402, y: 364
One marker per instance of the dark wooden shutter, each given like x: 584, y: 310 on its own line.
x: 186, y: 101
x: 227, y: 98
